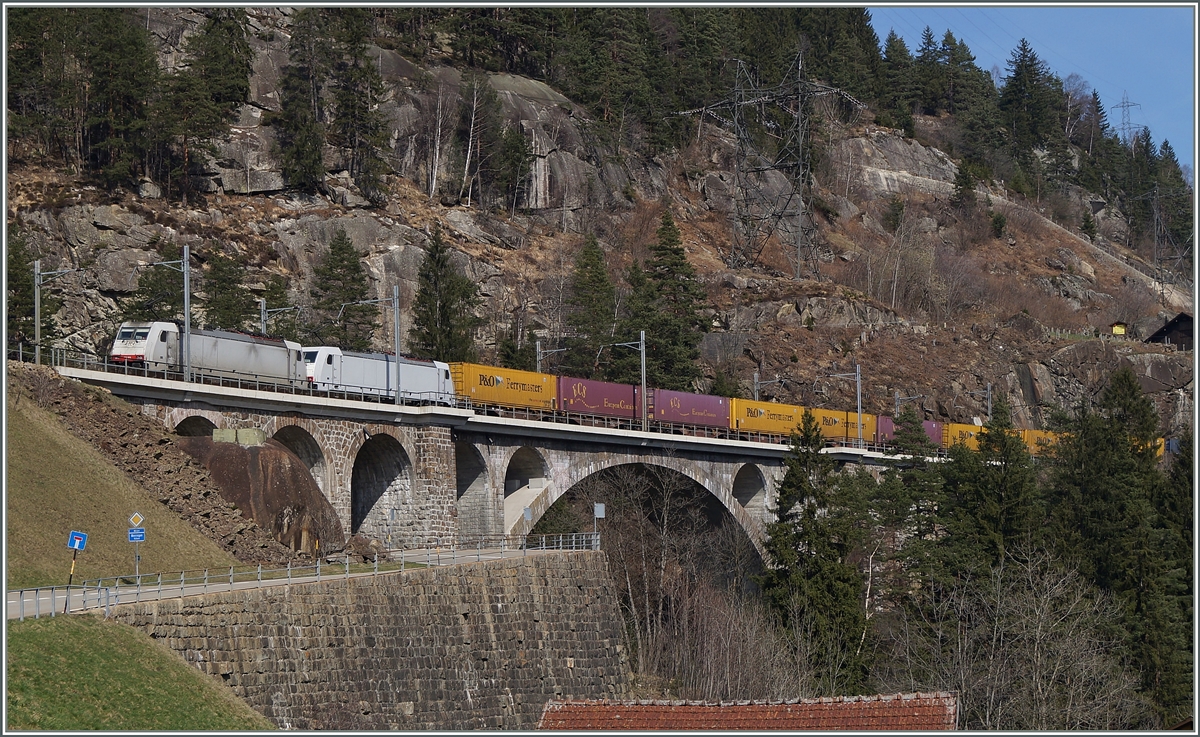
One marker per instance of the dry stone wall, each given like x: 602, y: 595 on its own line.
x: 474, y: 646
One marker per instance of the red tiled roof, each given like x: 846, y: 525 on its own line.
x: 919, y: 711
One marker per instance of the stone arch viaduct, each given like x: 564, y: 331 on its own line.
x: 417, y: 476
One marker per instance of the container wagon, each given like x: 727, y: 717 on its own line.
x: 956, y: 432
x: 374, y: 374
x: 832, y: 423
x: 749, y: 415
x: 870, y: 424
x: 684, y: 408
x: 507, y: 387
x: 159, y: 347
x: 586, y: 396
x: 1039, y: 442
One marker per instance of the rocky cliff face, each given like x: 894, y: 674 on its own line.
x: 762, y: 320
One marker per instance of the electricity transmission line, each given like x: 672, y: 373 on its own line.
x: 772, y: 174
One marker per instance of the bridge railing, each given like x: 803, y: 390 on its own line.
x: 105, y: 593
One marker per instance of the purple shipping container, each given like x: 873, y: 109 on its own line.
x: 934, y: 431
x: 690, y: 409
x: 885, y: 429
x: 599, y: 397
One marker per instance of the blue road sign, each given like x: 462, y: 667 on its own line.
x: 137, y: 534
x: 77, y: 540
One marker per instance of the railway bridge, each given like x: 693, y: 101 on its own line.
x: 420, y: 474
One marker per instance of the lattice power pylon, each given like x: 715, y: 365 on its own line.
x: 772, y: 177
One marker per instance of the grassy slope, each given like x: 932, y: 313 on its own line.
x: 83, y: 672
x: 80, y: 672
x: 57, y: 483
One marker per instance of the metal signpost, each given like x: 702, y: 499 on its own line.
x: 597, y: 513
x: 137, y: 535
x: 76, y: 541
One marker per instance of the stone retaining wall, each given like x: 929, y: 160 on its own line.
x: 473, y: 646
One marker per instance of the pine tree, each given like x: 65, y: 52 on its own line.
x: 516, y: 350
x: 186, y: 119
x: 300, y: 123
x: 339, y: 281
x: 1031, y: 105
x: 591, y: 309
x: 900, y: 86
x: 930, y: 74
x: 665, y: 300
x: 991, y: 498
x: 912, y: 503
x: 223, y: 59
x: 444, y: 318
x: 1109, y: 513
x: 121, y: 76
x: 286, y: 323
x: 1175, y: 202
x: 358, y: 127
x: 513, y: 165
x: 808, y: 581
x: 229, y: 304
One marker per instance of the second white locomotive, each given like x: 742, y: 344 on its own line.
x: 374, y: 374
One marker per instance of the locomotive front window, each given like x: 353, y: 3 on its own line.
x: 310, y: 356
x: 125, y: 334
x: 141, y: 334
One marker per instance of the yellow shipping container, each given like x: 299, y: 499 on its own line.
x: 869, y: 424
x: 833, y: 423
x: 510, y: 387
x: 752, y: 416
x: 1038, y: 441
x: 955, y: 432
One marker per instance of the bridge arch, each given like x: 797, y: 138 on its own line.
x: 193, y: 421
x: 195, y: 426
x: 750, y: 489
x: 381, y: 486
x: 525, y: 479
x: 708, y: 476
x: 301, y: 442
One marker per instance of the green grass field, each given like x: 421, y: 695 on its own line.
x: 57, y: 483
x: 83, y: 672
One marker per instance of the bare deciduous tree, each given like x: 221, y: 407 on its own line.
x: 1030, y: 648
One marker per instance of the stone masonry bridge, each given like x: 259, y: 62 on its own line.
x: 429, y: 474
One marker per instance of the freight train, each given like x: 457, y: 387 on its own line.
x: 502, y: 391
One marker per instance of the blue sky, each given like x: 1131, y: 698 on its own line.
x: 1145, y: 52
